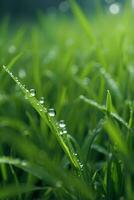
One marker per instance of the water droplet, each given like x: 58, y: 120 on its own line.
x: 42, y: 100
x: 62, y: 124
x: 64, y: 130
x: 32, y: 92
x: 81, y: 165
x: 114, y: 8
x: 51, y: 112
x: 61, y: 133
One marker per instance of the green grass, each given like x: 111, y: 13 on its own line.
x: 84, y: 69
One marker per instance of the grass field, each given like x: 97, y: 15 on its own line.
x: 66, y: 107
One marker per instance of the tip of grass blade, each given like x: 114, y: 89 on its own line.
x: 108, y: 102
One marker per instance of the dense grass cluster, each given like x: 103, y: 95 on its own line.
x: 66, y: 108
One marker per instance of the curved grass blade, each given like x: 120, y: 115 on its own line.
x: 14, y: 60
x: 13, y: 123
x: 103, y: 109
x: 89, y: 139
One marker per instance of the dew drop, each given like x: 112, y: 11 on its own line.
x: 64, y: 130
x: 42, y: 100
x: 61, y: 133
x: 32, y: 92
x: 81, y: 165
x: 51, y: 112
x: 62, y: 124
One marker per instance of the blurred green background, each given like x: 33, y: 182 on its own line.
x: 29, y: 8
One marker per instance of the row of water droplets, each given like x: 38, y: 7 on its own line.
x: 61, y: 125
x: 51, y: 111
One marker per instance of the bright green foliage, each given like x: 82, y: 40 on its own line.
x: 83, y: 149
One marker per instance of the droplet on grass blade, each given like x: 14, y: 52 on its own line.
x: 42, y: 100
x: 32, y: 92
x: 63, y: 131
x: 51, y: 112
x: 62, y: 124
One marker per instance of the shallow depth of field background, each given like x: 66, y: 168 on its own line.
x: 66, y: 99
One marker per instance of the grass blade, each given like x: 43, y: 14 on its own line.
x: 42, y: 110
x: 115, y: 135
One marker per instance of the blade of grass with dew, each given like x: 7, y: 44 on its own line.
x: 49, y: 120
